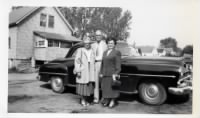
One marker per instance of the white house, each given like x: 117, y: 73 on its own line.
x: 37, y: 35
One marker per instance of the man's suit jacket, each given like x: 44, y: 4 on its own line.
x: 111, y: 63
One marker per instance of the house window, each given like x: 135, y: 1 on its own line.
x: 40, y: 43
x: 43, y: 20
x: 53, y: 43
x: 56, y: 43
x: 51, y: 21
x: 65, y: 45
x: 9, y: 43
x: 50, y: 43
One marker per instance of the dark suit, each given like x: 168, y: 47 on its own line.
x: 111, y: 64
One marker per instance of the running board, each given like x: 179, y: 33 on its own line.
x: 129, y: 92
x: 71, y: 85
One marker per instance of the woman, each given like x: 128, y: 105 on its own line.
x: 84, y: 69
x: 111, y: 66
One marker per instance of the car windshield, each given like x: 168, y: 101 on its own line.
x: 126, y: 50
x: 73, y: 50
x: 123, y: 47
x: 74, y: 54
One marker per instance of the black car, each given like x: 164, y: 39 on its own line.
x: 153, y: 78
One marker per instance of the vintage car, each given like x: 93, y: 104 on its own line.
x: 153, y: 78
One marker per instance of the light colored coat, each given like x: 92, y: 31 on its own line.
x: 102, y: 46
x: 81, y: 65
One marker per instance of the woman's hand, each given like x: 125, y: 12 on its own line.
x: 114, y: 77
x: 78, y: 75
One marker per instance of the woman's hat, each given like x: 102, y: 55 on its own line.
x: 86, y: 39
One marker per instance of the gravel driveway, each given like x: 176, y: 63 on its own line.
x: 27, y: 95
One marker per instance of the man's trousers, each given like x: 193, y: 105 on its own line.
x: 96, y: 89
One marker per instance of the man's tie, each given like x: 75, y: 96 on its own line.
x: 97, y: 51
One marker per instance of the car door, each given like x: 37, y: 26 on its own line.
x: 128, y: 79
x: 71, y: 75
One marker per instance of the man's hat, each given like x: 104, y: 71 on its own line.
x: 86, y: 39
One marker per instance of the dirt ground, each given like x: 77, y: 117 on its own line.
x: 28, y: 95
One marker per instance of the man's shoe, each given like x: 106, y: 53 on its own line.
x: 95, y: 101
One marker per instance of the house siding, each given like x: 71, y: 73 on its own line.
x: 12, y: 50
x: 13, y: 37
x: 50, y: 53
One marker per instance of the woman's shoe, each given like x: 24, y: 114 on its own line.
x: 105, y: 104
x: 112, y: 104
x: 87, y: 104
x: 83, y: 103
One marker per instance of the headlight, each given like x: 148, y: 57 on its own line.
x: 190, y: 67
x: 181, y: 71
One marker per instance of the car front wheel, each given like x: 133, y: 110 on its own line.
x: 57, y: 84
x: 152, y: 93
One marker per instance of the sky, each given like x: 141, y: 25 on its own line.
x: 154, y: 20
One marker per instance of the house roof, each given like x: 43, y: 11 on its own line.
x: 55, y: 36
x: 146, y: 49
x: 160, y: 50
x: 16, y: 16
x: 122, y: 44
x: 21, y: 14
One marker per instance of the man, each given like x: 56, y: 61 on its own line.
x: 99, y: 47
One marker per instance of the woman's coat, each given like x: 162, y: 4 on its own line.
x: 82, y: 66
x: 111, y: 63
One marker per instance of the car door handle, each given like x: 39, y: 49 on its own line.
x: 123, y: 76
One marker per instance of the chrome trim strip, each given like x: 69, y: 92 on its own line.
x: 172, y: 76
x: 157, y: 64
x: 124, y: 76
x: 128, y: 92
x: 52, y: 73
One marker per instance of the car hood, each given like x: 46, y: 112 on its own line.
x: 176, y: 61
x: 58, y: 65
x: 60, y: 60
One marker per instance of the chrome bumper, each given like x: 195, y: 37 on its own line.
x: 184, y: 86
x: 180, y: 91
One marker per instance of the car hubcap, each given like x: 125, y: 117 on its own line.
x: 152, y: 91
x: 57, y: 84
